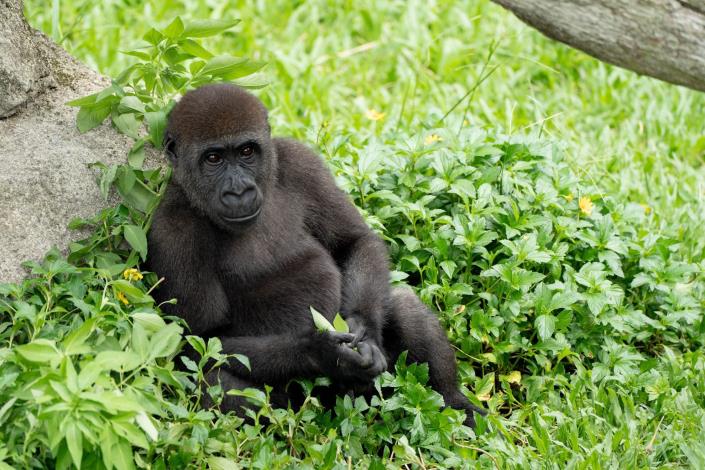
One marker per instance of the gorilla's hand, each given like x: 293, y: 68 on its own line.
x: 346, y: 357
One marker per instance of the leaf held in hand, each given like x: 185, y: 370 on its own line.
x: 322, y: 324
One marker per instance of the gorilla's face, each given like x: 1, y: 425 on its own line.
x: 222, y: 154
x: 228, y: 171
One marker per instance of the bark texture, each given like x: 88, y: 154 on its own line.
x: 664, y: 39
x: 44, y: 176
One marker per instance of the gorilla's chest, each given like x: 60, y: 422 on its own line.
x: 271, y: 286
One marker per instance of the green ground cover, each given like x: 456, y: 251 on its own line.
x: 547, y: 205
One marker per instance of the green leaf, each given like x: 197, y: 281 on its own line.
x: 245, y: 69
x: 122, y: 456
x: 545, y: 325
x: 195, y: 49
x: 127, y: 124
x: 93, y: 115
x: 223, y: 65
x: 221, y: 463
x: 147, y: 425
x: 130, y: 103
x: 156, y: 123
x: 253, y: 81
x: 137, y: 239
x: 74, y: 441
x: 153, y: 37
x: 74, y: 343
x: 175, y: 29
x: 39, y: 350
x: 165, y: 342
x: 321, y: 323
x: 85, y: 100
x: 145, y: 56
x: 136, y: 155
x: 340, y: 324
x: 205, y: 28
x: 151, y: 322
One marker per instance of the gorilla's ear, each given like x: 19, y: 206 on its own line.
x: 169, y: 145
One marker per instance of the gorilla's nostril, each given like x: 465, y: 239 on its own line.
x: 238, y: 197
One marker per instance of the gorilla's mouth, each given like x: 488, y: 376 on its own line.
x: 244, y: 218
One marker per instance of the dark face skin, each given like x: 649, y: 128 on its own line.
x: 223, y: 158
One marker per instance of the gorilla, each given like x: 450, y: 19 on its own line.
x: 252, y: 232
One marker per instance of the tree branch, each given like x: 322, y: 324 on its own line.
x: 664, y: 39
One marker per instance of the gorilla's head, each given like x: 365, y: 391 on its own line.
x: 219, y: 143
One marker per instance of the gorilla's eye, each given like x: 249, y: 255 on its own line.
x: 247, y: 150
x: 214, y: 159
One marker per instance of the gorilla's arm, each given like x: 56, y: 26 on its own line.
x: 279, y: 357
x: 301, y: 352
x: 336, y: 223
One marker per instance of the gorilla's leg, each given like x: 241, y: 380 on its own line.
x: 414, y: 328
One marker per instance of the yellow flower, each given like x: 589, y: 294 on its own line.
x: 132, y: 274
x: 647, y: 209
x: 432, y: 138
x: 121, y: 297
x: 586, y: 205
x: 374, y: 115
x: 569, y: 197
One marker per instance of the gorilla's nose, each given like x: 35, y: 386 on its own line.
x: 239, y: 196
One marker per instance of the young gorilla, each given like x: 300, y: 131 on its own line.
x: 252, y: 231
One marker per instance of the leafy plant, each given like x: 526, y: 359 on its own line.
x: 172, y: 62
x: 569, y: 275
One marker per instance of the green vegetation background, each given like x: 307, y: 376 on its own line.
x: 580, y: 330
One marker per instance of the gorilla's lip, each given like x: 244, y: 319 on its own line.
x: 244, y: 218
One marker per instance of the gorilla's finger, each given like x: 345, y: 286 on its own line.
x: 349, y: 356
x: 379, y: 362
x: 365, y: 352
x: 339, y: 337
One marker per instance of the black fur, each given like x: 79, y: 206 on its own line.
x: 251, y: 282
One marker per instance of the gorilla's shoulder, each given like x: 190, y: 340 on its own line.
x: 298, y: 163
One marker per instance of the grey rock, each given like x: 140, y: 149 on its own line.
x: 44, y: 176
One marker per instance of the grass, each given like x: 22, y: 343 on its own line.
x: 614, y: 384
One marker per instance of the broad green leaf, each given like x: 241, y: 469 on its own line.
x: 156, y: 123
x: 93, y: 115
x: 130, y: 103
x: 223, y: 65
x: 145, y: 56
x: 340, y: 325
x: 195, y: 49
x: 74, y: 441
x: 175, y: 28
x: 74, y: 343
x: 484, y: 387
x: 220, y: 463
x: 321, y: 323
x: 84, y: 101
x: 166, y: 341
x: 153, y: 36
x: 122, y: 456
x: 151, y: 322
x: 136, y: 155
x: 140, y: 341
x: 39, y: 350
x: 147, y: 425
x: 247, y: 68
x: 121, y: 361
x: 137, y: 239
x: 205, y: 28
x: 545, y: 325
x: 127, y: 124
